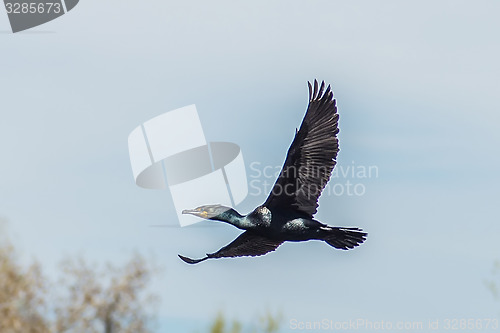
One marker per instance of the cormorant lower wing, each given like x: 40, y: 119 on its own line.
x: 247, y: 244
x: 311, y: 156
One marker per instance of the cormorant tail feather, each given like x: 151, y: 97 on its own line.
x: 345, y: 238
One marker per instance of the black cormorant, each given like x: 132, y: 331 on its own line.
x: 287, y: 214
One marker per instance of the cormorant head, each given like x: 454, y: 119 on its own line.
x: 212, y: 212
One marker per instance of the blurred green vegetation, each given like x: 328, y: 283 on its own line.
x: 267, y: 323
x: 493, y: 283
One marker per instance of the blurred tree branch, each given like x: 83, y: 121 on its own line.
x: 22, y: 303
x: 91, y: 305
x: 87, y: 299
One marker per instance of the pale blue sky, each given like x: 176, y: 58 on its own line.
x: 417, y: 87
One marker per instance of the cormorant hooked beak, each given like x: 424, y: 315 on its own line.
x: 196, y: 212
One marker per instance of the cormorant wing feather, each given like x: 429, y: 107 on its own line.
x: 311, y: 156
x: 247, y: 244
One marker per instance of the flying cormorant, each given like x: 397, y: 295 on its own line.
x: 287, y: 214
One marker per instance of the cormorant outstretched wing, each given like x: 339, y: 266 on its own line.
x: 247, y: 244
x: 311, y: 156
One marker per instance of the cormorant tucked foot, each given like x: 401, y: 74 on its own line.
x: 287, y: 214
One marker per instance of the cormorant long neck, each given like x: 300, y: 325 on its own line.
x: 233, y: 217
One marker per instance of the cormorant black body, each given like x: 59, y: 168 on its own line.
x: 287, y: 214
